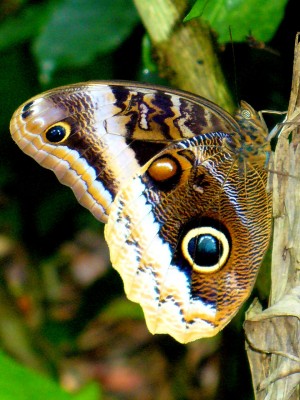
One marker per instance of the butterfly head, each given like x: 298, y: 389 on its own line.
x: 254, y: 136
x: 253, y: 127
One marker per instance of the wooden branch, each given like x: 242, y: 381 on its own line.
x: 185, y: 51
x: 273, y: 335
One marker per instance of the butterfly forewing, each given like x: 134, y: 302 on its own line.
x: 94, y: 136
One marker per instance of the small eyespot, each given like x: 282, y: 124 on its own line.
x: 58, y: 133
x: 206, y: 249
x: 165, y: 172
x: 246, y: 114
x: 26, y: 111
x: 163, y: 168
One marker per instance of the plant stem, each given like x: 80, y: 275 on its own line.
x: 185, y: 51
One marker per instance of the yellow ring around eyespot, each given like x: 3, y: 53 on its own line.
x: 205, y: 230
x: 66, y: 126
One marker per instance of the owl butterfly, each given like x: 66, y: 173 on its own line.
x: 180, y: 183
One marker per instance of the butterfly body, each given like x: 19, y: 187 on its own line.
x: 180, y: 183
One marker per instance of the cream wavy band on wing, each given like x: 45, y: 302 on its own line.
x: 71, y: 169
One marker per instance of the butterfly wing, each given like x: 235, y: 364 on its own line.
x: 188, y: 233
x: 181, y: 183
x: 96, y: 135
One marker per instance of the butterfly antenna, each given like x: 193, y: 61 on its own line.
x: 234, y: 67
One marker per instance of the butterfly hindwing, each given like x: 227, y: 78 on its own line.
x: 179, y: 243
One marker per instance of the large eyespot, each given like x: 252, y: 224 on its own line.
x: 26, y: 111
x: 206, y: 249
x: 58, y: 133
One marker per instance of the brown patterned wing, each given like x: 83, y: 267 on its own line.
x: 188, y: 235
x: 96, y: 135
x: 181, y: 183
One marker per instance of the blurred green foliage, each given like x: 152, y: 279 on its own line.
x: 256, y: 17
x: 43, y: 44
x: 51, y: 43
x: 20, y: 383
x: 70, y: 33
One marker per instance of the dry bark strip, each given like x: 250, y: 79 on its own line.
x: 273, y: 335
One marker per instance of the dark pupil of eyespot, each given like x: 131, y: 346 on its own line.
x: 26, y: 110
x: 56, y: 134
x: 205, y: 250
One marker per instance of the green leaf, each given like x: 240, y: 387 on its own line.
x: 23, y: 26
x: 122, y: 309
x: 78, y: 30
x: 243, y: 17
x: 18, y: 382
x: 90, y: 392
